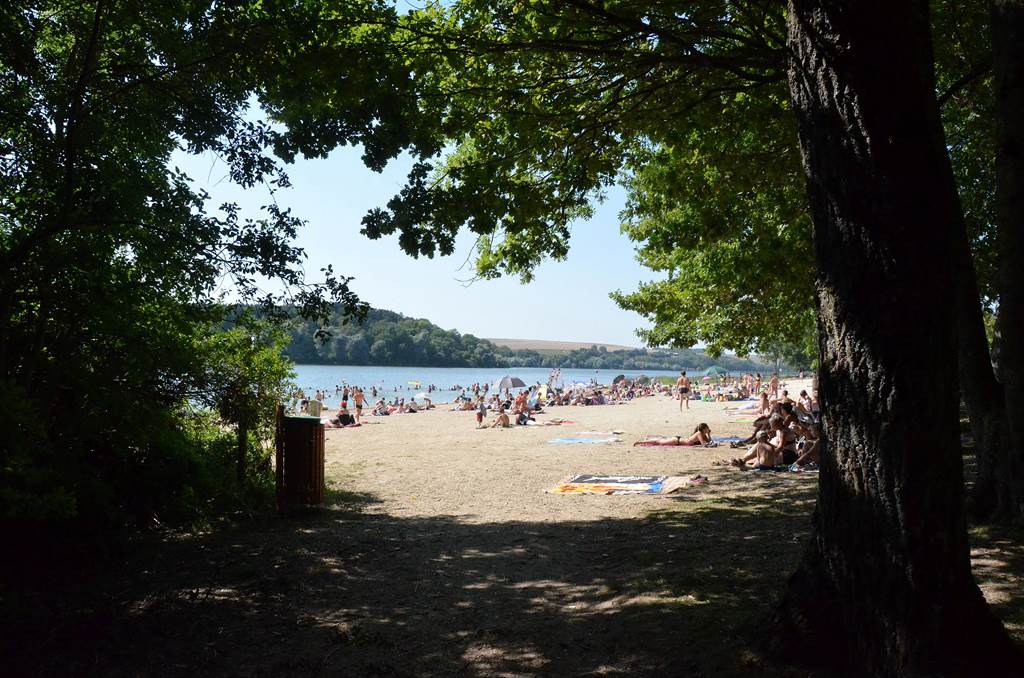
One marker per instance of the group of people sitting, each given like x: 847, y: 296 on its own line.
x: 503, y: 420
x: 521, y: 407
x: 787, y: 434
x: 345, y: 417
x: 621, y: 391
x: 383, y: 408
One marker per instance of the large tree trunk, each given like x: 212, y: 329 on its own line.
x: 1008, y: 60
x: 885, y: 587
x: 990, y: 497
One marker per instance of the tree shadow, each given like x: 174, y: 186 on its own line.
x: 997, y: 559
x: 347, y: 592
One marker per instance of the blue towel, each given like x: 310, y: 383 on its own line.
x: 729, y: 439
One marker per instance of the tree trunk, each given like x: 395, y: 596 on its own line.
x: 242, y: 453
x: 1008, y: 61
x: 885, y: 587
x: 983, y: 394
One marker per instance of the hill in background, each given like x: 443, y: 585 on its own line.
x: 386, y: 339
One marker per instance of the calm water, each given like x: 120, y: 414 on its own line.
x: 394, y: 381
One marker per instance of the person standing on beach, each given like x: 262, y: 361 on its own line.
x: 683, y: 384
x: 773, y: 385
x: 481, y: 411
x: 359, y: 399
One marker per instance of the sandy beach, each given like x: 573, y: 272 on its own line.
x: 438, y: 463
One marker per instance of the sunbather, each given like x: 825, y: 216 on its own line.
x: 501, y: 420
x: 762, y: 455
x: 700, y: 436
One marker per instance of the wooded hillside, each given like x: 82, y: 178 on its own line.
x: 386, y: 338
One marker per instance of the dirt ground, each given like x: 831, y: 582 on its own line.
x: 442, y: 554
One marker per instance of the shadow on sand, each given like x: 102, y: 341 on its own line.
x: 349, y: 592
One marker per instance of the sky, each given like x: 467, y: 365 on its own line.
x: 567, y: 301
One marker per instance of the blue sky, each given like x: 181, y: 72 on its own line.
x: 567, y: 301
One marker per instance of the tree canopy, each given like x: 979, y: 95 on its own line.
x: 539, y: 107
x: 115, y: 267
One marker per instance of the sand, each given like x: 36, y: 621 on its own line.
x: 438, y: 463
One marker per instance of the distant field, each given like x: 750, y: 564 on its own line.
x: 542, y: 345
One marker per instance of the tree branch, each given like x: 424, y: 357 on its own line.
x: 967, y: 79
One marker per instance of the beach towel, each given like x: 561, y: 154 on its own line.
x: 728, y: 439
x: 770, y: 469
x: 594, y: 484
x: 553, y: 422
x: 583, y: 441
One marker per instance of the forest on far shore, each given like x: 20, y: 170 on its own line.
x: 386, y: 338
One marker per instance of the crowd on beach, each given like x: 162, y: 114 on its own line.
x: 519, y: 409
x: 786, y: 432
x: 507, y: 407
x: 382, y: 407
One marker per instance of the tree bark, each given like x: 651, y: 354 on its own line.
x: 1008, y: 62
x: 983, y: 394
x: 885, y: 587
x: 242, y: 451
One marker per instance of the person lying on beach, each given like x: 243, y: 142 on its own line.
x: 701, y: 436
x: 501, y: 420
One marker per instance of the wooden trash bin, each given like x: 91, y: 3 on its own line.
x: 299, y: 443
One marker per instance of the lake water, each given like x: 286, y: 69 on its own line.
x: 395, y: 381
